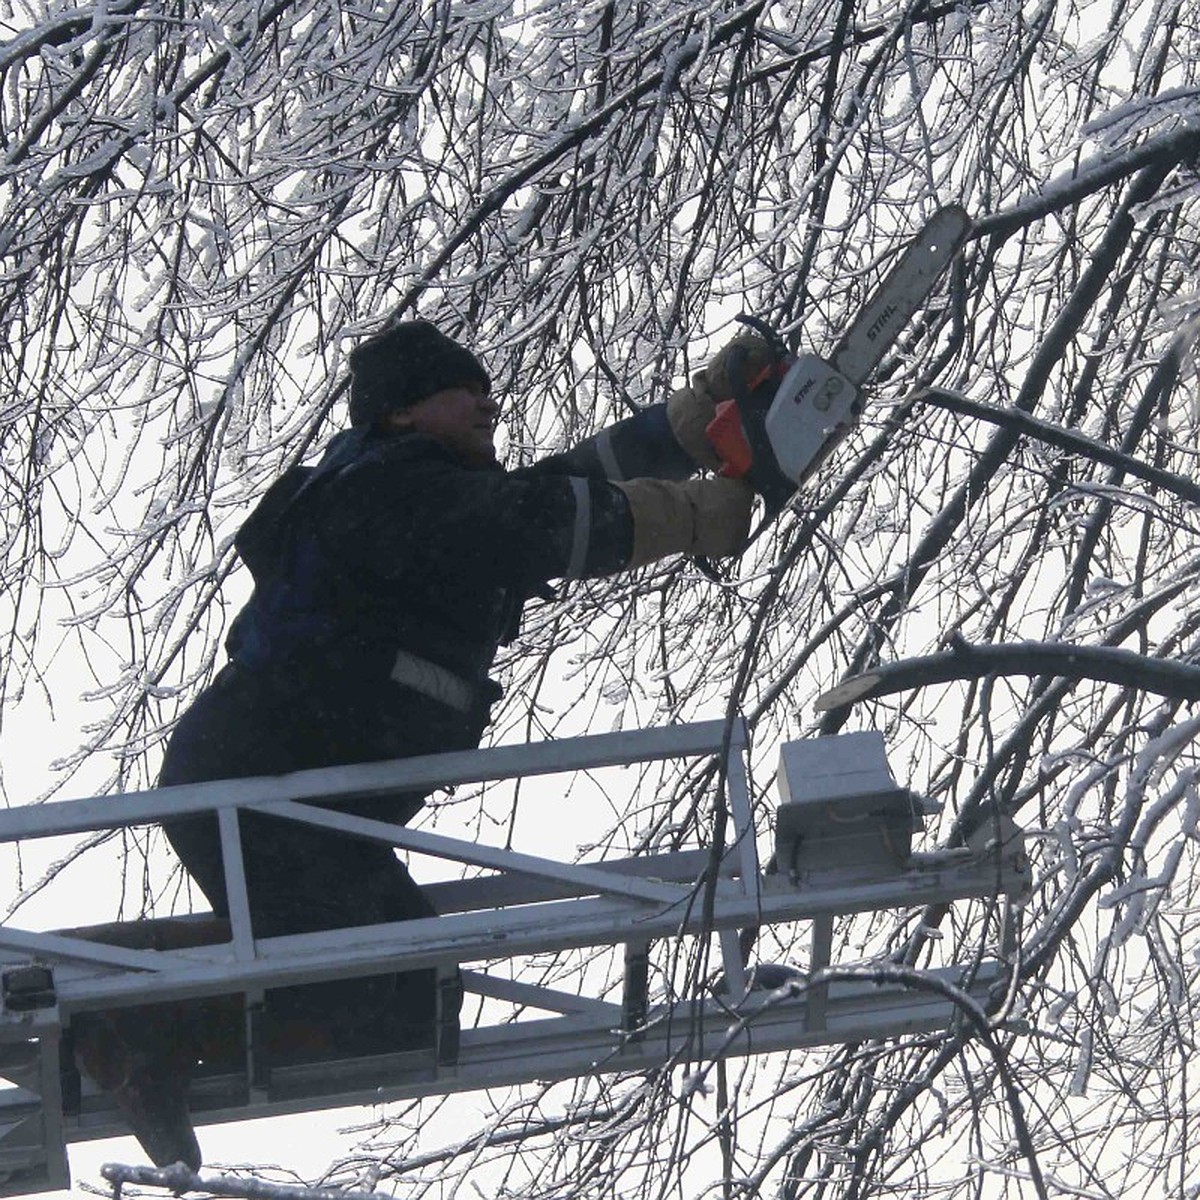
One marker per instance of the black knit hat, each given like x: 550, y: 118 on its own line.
x: 402, y: 365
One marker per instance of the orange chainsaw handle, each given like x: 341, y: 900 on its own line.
x: 727, y: 434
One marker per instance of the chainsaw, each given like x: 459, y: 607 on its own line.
x: 783, y: 423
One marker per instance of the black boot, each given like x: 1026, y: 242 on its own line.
x: 137, y: 1057
x: 153, y: 1099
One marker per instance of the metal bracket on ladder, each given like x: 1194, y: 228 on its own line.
x: 635, y: 1002
x: 33, y: 1154
x: 840, y: 809
x: 843, y: 841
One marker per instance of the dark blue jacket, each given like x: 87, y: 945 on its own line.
x: 391, y: 544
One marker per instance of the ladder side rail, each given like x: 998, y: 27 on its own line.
x: 565, y: 1047
x: 350, y: 781
x: 562, y: 1049
x: 467, y: 937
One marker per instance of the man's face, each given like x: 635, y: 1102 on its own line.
x: 462, y: 418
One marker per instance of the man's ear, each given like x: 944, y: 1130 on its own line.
x: 396, y: 420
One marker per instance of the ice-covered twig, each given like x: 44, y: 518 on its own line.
x: 179, y: 1179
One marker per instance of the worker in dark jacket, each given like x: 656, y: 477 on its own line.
x: 385, y: 579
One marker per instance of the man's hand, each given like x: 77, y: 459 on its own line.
x: 741, y: 362
x: 709, y: 517
x: 723, y: 510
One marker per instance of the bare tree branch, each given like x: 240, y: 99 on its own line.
x: 1180, y: 681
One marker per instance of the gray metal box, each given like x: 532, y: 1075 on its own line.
x: 841, y: 807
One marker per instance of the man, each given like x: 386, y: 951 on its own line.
x: 385, y: 579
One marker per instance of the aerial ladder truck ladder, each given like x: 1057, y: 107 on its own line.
x: 843, y: 844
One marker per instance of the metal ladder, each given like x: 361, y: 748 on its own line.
x: 843, y: 845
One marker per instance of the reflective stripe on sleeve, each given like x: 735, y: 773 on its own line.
x: 432, y: 680
x: 582, y: 533
x: 607, y: 456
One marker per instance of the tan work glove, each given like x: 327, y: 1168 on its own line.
x: 710, y: 517
x: 691, y: 409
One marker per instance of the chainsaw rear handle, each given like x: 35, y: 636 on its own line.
x: 739, y: 436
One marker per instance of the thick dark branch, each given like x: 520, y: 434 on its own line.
x: 1180, y: 681
x: 1064, y: 439
x: 1066, y: 193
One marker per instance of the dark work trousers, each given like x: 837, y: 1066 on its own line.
x: 300, y: 878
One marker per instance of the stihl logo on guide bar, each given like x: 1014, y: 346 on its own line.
x: 877, y: 326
